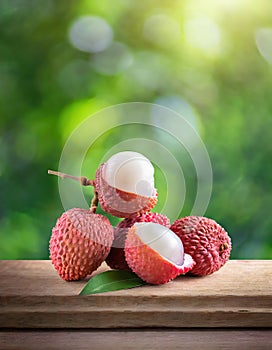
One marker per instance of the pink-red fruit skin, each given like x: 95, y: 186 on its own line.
x: 206, y: 241
x: 80, y: 242
x: 148, y: 264
x: 116, y: 258
x: 120, y: 203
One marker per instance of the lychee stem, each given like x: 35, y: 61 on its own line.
x: 84, y: 181
x: 94, y: 203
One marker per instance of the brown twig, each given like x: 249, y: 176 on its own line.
x: 84, y: 181
x: 94, y: 203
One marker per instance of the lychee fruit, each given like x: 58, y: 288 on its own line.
x: 116, y: 258
x: 125, y: 185
x: 206, y: 241
x: 155, y: 253
x: 80, y: 242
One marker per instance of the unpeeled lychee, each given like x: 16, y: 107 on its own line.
x: 155, y: 253
x: 80, y: 242
x: 206, y: 241
x: 125, y: 185
x: 116, y: 258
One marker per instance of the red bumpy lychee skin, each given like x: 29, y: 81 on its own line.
x: 80, y: 242
x: 206, y: 241
x: 120, y: 203
x: 116, y: 258
x: 149, y: 265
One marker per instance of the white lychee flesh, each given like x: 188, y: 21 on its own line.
x: 130, y: 172
x: 154, y: 254
x: 161, y: 239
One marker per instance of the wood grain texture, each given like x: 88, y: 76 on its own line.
x: 239, y: 295
x: 137, y: 339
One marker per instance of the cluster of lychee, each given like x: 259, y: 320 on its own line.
x: 144, y: 242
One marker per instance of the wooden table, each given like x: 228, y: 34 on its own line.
x: 229, y: 309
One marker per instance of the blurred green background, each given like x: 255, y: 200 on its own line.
x: 61, y: 61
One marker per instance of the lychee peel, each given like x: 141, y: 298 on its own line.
x: 206, y: 241
x: 80, y: 242
x: 145, y: 217
x: 116, y: 258
x: 118, y: 202
x: 148, y: 264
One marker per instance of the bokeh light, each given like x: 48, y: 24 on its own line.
x: 90, y: 34
x: 149, y: 70
x: 113, y: 60
x: 263, y: 37
x: 182, y: 107
x: 203, y: 33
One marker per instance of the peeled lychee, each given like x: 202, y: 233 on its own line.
x: 206, y: 241
x: 80, y: 242
x: 155, y: 253
x: 116, y: 258
x: 125, y: 185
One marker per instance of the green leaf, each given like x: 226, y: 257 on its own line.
x: 112, y: 280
